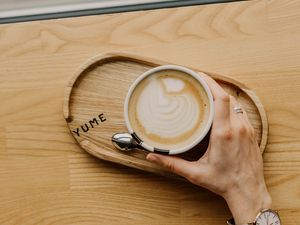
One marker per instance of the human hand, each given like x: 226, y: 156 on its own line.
x: 232, y: 165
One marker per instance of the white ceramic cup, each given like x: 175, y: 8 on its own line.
x: 207, y: 127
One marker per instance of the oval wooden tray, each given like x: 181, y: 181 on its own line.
x: 93, y: 107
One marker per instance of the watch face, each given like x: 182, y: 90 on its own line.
x: 268, y: 217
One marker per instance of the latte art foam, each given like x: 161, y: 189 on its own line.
x: 168, y: 109
x: 162, y: 108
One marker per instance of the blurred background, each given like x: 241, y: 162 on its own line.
x: 27, y: 10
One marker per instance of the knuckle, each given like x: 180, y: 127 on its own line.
x: 228, y: 135
x: 169, y: 165
x: 242, y: 130
x: 224, y: 134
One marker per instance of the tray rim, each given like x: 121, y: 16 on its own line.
x: 111, y: 56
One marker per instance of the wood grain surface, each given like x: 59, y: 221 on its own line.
x: 46, y: 178
x: 94, y: 108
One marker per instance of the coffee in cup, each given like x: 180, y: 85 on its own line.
x: 168, y: 109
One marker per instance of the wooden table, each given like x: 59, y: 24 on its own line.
x: 45, y: 178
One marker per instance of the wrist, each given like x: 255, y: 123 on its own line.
x: 246, y: 204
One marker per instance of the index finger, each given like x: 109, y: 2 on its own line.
x: 221, y: 98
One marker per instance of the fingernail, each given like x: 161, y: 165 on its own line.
x: 151, y: 157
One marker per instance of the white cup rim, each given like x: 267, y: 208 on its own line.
x: 194, y: 75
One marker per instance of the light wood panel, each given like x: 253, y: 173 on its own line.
x: 45, y: 178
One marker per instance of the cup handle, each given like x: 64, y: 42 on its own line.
x: 124, y: 142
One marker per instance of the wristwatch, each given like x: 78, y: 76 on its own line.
x: 264, y: 217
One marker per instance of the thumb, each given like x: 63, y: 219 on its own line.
x: 174, y: 164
